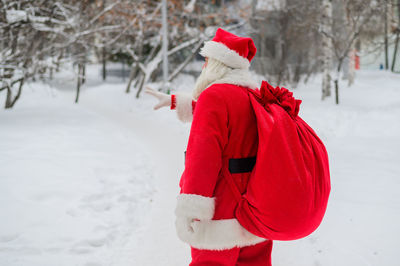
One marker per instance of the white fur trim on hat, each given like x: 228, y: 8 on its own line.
x: 222, y: 53
x: 184, y: 108
x: 239, y: 77
x: 215, y: 234
x: 195, y: 207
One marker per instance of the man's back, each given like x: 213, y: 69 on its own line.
x: 241, y: 139
x: 223, y: 128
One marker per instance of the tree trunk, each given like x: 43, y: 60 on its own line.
x: 8, y: 98
x: 352, y: 72
x: 83, y: 73
x: 327, y: 50
x: 396, y: 47
x: 51, y: 72
x: 141, y: 83
x: 21, y: 83
x: 164, y: 45
x: 339, y: 68
x: 337, y: 91
x: 282, y: 65
x: 386, y: 36
x: 135, y: 72
x: 104, y: 63
x: 326, y: 84
x: 60, y: 56
x: 297, y: 70
x: 10, y: 102
x: 79, y: 83
x: 132, y: 76
x: 123, y: 69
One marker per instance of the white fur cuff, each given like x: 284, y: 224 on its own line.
x: 195, y: 207
x: 184, y: 107
x: 215, y: 234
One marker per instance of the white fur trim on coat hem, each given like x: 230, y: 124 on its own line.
x: 215, y: 234
x: 184, y: 108
x: 222, y: 53
x: 195, y: 207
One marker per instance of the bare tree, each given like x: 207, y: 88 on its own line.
x: 352, y: 19
x: 80, y: 37
x: 23, y: 51
x: 186, y: 26
x: 287, y: 38
x: 37, y: 34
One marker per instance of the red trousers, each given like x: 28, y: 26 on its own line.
x: 257, y: 255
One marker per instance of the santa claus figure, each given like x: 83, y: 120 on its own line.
x: 223, y: 128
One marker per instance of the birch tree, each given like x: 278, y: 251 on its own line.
x: 397, y: 31
x: 352, y: 19
x: 326, y: 23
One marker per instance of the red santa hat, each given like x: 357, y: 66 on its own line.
x: 232, y: 50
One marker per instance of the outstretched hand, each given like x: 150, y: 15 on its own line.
x: 164, y: 99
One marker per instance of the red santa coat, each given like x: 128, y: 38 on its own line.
x: 223, y: 127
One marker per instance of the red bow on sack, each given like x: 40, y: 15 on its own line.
x: 280, y: 96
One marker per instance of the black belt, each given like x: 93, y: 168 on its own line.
x: 240, y: 165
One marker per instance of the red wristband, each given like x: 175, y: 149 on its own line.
x: 173, y: 101
x: 193, y: 106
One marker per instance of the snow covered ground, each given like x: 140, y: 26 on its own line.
x: 94, y: 183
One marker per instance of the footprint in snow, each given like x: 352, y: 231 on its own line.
x: 80, y: 250
x: 8, y: 238
x: 93, y: 264
x: 97, y: 242
x: 88, y: 245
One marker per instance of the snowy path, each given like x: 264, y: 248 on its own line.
x: 95, y: 184
x: 156, y: 242
x: 72, y: 184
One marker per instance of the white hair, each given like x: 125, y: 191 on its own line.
x: 214, y: 70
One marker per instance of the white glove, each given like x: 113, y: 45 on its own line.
x: 164, y: 99
x: 184, y: 228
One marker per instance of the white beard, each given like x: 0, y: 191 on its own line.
x: 202, y: 83
x: 214, y: 70
x: 217, y: 72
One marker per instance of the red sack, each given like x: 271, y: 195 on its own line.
x: 288, y: 190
